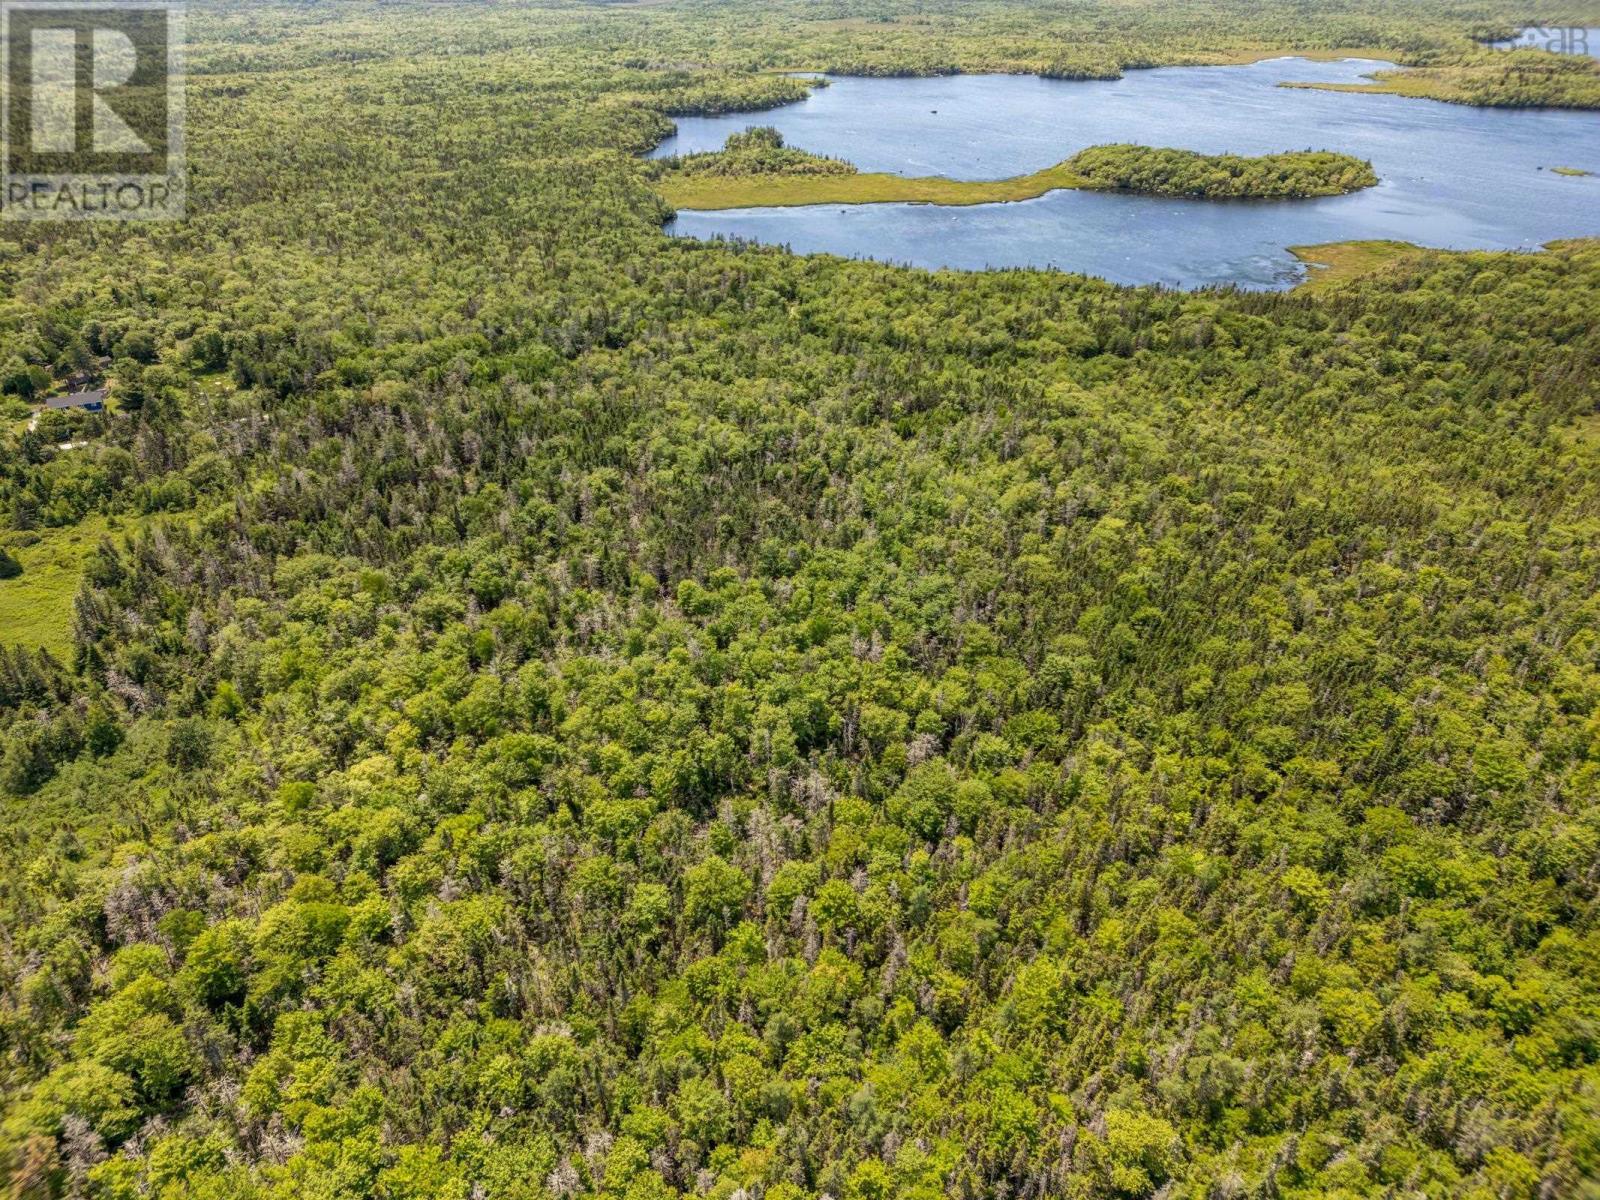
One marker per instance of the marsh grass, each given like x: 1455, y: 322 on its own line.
x: 36, y: 606
x: 782, y: 191
x: 1330, y: 263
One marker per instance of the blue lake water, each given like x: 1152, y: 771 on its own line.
x: 1452, y: 176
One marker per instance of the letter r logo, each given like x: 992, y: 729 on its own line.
x: 115, y: 58
x: 54, y: 107
x: 91, y: 96
x: 87, y: 82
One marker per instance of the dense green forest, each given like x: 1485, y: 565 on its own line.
x: 1167, y: 172
x: 510, y: 704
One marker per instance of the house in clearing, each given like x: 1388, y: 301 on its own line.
x: 90, y: 401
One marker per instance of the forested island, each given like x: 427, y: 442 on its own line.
x: 1165, y: 172
x: 507, y: 704
x: 757, y: 169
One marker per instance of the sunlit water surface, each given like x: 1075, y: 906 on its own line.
x: 1453, y: 176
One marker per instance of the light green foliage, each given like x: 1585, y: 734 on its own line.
x: 714, y: 893
x: 1141, y: 1151
x: 135, y: 1032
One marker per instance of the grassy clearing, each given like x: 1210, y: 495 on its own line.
x: 1586, y: 430
x: 36, y: 607
x: 1334, y: 262
x: 1383, y: 83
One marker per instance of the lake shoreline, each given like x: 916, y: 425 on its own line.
x: 1333, y: 263
x: 951, y: 174
x: 1390, y: 77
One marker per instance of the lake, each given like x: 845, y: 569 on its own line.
x: 1452, y: 176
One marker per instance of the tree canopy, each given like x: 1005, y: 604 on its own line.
x: 1166, y: 172
x: 554, y: 710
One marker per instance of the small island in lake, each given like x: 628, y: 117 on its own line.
x: 755, y: 169
x: 1159, y: 172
